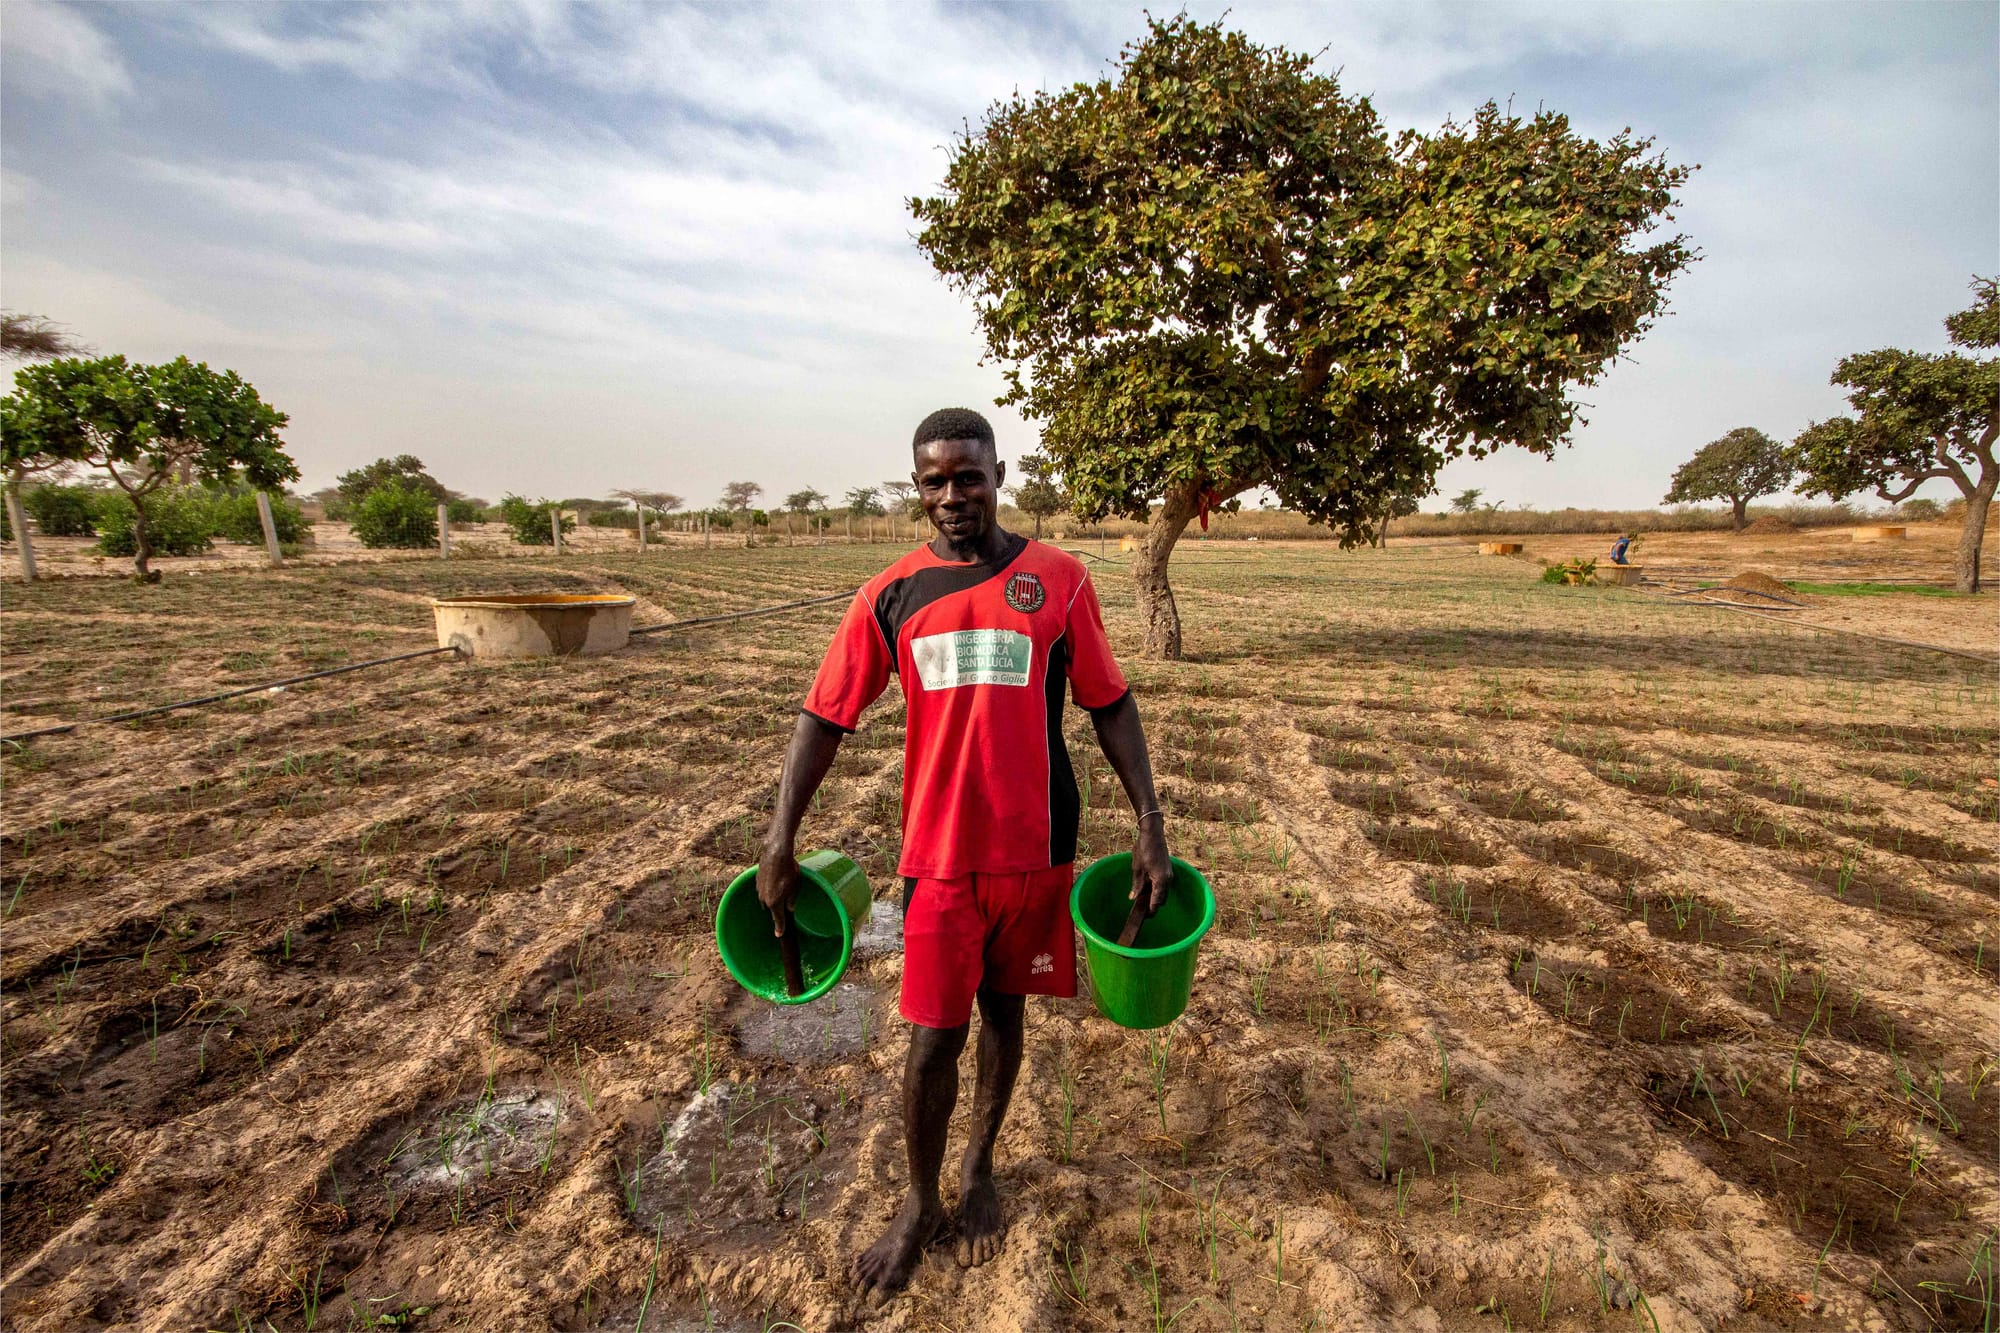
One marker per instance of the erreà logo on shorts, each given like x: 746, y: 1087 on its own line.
x: 1025, y: 593
x: 972, y: 657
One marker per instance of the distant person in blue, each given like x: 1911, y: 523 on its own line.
x: 1619, y: 547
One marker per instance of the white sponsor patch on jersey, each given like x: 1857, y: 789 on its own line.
x: 972, y: 657
x: 1044, y: 962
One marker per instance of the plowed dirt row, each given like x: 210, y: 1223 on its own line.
x: 1580, y: 961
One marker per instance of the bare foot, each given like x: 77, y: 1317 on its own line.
x: 887, y: 1264
x: 981, y: 1226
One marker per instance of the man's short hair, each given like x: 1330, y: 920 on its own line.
x: 954, y: 423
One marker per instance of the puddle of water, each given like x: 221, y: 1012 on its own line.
x: 882, y: 932
x: 510, y: 1132
x: 837, y: 1024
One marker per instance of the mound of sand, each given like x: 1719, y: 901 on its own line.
x: 1752, y: 580
x: 1769, y: 523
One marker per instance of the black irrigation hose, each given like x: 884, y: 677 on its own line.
x: 226, y: 694
x: 743, y: 615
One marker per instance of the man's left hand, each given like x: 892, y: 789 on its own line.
x: 1152, y: 868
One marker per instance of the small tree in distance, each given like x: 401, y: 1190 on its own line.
x: 738, y: 496
x: 1400, y: 504
x: 1041, y: 495
x: 903, y: 499
x: 529, y: 520
x: 1739, y: 467
x: 397, y: 513
x: 663, y: 502
x: 1466, y: 501
x: 142, y: 425
x: 864, y: 501
x: 407, y: 469
x: 1919, y: 417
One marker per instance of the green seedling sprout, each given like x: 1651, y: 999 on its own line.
x: 309, y: 1293
x: 653, y: 1276
x: 1548, y: 1285
x: 1429, y: 1154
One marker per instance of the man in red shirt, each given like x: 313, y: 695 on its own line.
x: 985, y: 630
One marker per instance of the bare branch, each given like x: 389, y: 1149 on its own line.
x: 1882, y: 491
x: 1941, y: 449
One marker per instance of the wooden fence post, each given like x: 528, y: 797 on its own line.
x: 18, y: 520
x: 444, y: 532
x: 555, y: 528
x: 270, y: 529
x: 642, y: 523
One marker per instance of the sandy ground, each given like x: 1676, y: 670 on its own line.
x: 1582, y: 957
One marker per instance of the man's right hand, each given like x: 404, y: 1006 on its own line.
x: 778, y: 882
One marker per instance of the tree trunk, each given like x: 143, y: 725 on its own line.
x: 1157, y: 611
x: 1965, y: 563
x: 1038, y: 527
x: 1739, y: 506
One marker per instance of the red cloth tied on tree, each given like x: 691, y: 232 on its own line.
x: 1208, y: 500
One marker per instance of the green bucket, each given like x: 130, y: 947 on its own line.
x: 832, y: 904
x: 1147, y: 985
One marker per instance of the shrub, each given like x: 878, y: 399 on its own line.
x: 179, y: 521
x: 1574, y: 572
x: 1919, y: 511
x: 529, y: 520
x: 613, y: 518
x: 395, y: 514
x: 236, y: 519
x: 464, y: 509
x: 63, y: 511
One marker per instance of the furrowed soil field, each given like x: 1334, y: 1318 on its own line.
x: 1585, y: 959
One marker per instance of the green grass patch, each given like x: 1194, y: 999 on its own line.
x: 1876, y: 589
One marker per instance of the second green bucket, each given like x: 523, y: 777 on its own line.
x: 1148, y: 984
x: 830, y: 908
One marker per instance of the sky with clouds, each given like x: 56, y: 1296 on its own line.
x: 559, y: 249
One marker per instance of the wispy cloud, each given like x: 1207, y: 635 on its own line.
x: 52, y: 52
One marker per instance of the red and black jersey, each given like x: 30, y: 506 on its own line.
x: 984, y: 652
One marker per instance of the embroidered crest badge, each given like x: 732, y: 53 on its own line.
x: 1025, y: 593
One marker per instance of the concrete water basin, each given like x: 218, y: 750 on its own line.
x: 543, y: 624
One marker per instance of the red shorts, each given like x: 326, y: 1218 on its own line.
x: 1009, y: 933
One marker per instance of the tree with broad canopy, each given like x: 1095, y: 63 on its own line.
x: 806, y: 501
x: 864, y: 501
x: 1041, y: 495
x: 1919, y: 417
x: 142, y: 425
x: 1216, y: 271
x: 407, y: 470
x: 1739, y: 467
x: 1466, y: 501
x: 738, y: 496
